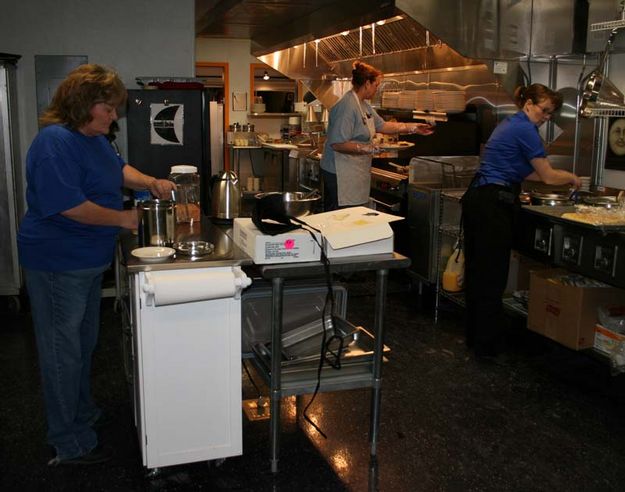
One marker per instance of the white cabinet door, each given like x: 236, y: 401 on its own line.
x: 189, y: 378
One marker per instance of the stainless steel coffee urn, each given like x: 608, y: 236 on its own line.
x: 157, y: 222
x: 225, y: 195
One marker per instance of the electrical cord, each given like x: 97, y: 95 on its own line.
x: 335, y: 360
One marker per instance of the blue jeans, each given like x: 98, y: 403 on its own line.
x: 65, y: 309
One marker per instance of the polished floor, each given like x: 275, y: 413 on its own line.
x: 542, y: 418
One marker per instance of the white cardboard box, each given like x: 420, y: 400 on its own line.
x: 291, y: 247
x: 354, y: 231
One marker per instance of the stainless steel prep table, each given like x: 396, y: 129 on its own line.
x: 226, y: 253
x: 371, y: 377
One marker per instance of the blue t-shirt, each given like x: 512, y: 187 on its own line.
x: 346, y: 125
x: 64, y: 168
x: 509, y: 150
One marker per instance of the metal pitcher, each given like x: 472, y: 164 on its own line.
x: 225, y: 195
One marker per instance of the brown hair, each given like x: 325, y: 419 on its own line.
x: 537, y: 93
x: 84, y: 87
x: 363, y: 72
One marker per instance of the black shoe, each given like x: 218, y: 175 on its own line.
x: 97, y: 455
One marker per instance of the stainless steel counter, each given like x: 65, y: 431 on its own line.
x: 226, y: 253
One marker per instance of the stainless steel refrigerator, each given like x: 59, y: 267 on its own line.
x: 11, y: 178
x: 168, y: 127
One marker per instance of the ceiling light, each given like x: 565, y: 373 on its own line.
x: 265, y: 75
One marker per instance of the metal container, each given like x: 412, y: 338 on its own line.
x: 157, y: 222
x: 550, y: 199
x: 225, y: 196
x: 296, y: 203
x: 601, y: 201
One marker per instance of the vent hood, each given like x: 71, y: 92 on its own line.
x: 438, y: 42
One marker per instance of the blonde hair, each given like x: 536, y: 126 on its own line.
x: 84, y: 87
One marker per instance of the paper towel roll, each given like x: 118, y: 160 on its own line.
x: 190, y: 286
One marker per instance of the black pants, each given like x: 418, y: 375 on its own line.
x: 330, y: 191
x: 489, y: 216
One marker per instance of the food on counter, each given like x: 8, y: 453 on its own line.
x: 597, y: 217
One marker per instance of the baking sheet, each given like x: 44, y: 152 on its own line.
x: 304, y: 345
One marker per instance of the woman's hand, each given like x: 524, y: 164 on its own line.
x: 136, y: 180
x: 393, y: 127
x: 420, y: 128
x: 162, y: 188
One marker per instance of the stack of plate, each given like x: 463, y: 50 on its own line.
x: 390, y: 99
x: 449, y: 101
x: 406, y: 99
x: 424, y: 100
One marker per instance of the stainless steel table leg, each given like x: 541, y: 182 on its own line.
x: 376, y: 394
x: 277, y: 287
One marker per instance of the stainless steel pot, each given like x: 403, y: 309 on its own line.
x: 550, y: 199
x: 157, y: 222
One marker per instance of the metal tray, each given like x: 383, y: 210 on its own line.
x: 303, y: 345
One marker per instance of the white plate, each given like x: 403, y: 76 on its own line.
x: 153, y: 254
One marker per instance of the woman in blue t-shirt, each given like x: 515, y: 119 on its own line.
x: 514, y: 152
x: 67, y: 240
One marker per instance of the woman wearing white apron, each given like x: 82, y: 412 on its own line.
x: 346, y: 160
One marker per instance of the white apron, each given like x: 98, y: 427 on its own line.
x: 353, y: 172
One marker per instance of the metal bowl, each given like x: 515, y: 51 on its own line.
x: 194, y: 249
x: 550, y: 199
x: 296, y: 203
x: 601, y: 201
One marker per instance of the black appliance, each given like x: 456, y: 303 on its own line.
x: 168, y: 127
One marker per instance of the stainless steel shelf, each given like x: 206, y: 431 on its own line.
x: 273, y: 115
x: 608, y: 25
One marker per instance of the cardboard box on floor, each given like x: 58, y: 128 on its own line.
x: 566, y: 313
x: 354, y: 231
x: 519, y: 272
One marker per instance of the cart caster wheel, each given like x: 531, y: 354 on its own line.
x: 153, y: 473
x: 216, y: 463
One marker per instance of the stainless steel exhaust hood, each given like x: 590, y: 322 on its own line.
x: 434, y: 37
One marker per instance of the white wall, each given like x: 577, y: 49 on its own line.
x: 135, y: 37
x: 236, y: 52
